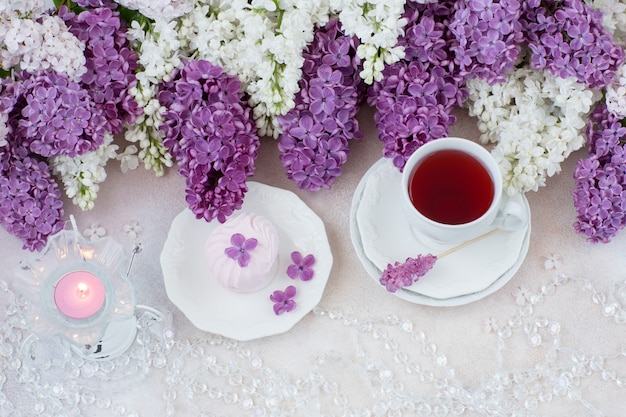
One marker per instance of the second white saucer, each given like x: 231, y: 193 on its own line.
x: 386, y: 238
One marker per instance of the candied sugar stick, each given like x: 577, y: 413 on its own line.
x: 403, y: 274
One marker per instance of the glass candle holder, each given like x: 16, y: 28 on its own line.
x: 77, y: 289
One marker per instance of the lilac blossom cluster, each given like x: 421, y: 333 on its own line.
x: 30, y: 199
x: 488, y: 37
x: 111, y: 63
x: 415, y: 99
x: 600, y: 179
x: 405, y: 274
x: 53, y: 115
x: 211, y: 134
x: 47, y: 115
x: 449, y: 42
x: 316, y: 132
x: 567, y: 38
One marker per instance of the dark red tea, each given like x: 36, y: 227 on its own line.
x: 451, y: 187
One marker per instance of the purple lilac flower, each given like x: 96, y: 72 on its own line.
x: 30, y: 200
x: 600, y: 179
x: 47, y: 115
x: 211, y: 134
x: 316, y: 132
x: 415, y: 99
x: 488, y: 36
x: 96, y: 3
x: 404, y: 274
x: 567, y: 38
x: 240, y: 251
x: 301, y: 266
x: 111, y: 63
x: 55, y: 116
x: 283, y: 300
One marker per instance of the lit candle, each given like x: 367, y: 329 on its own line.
x: 79, y: 294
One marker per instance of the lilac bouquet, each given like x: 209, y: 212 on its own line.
x: 314, y: 142
x: 415, y: 99
x: 49, y: 115
x: 299, y: 70
x: 210, y: 132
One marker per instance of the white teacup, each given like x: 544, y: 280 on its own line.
x: 452, y: 192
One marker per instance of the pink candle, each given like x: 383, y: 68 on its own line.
x: 79, y: 294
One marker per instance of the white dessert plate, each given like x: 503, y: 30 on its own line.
x: 380, y: 235
x: 246, y: 316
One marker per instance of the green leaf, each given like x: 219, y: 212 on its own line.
x: 129, y: 15
x: 73, y: 7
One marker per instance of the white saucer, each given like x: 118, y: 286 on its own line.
x: 210, y: 306
x: 380, y: 236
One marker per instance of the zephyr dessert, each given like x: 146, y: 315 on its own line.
x: 242, y: 253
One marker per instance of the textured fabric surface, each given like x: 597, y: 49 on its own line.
x: 584, y: 327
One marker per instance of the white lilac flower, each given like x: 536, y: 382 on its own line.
x: 4, y: 129
x: 490, y: 324
x: 261, y: 43
x: 553, y: 261
x: 522, y: 295
x: 95, y: 231
x: 160, y: 51
x: 536, y: 121
x: 133, y: 229
x: 154, y: 155
x: 158, y: 9
x: 378, y: 24
x: 25, y: 8
x: 268, y: 5
x: 129, y: 160
x: 81, y: 175
x: 40, y: 44
x: 616, y: 93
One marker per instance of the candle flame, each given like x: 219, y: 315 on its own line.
x: 87, y: 253
x: 82, y: 290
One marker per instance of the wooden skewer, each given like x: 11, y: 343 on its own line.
x: 469, y: 242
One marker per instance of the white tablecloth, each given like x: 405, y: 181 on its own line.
x: 532, y: 348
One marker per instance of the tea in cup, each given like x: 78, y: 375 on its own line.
x: 452, y: 192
